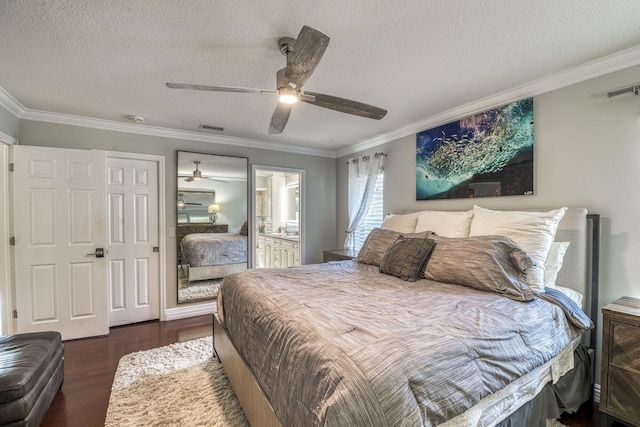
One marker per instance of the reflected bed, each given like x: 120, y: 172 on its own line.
x: 213, y: 255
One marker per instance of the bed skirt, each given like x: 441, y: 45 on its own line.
x: 212, y: 271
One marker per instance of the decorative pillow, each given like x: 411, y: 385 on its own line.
x: 487, y: 263
x: 553, y: 264
x: 401, y: 223
x: 445, y: 224
x: 244, y: 230
x: 377, y: 243
x: 406, y: 257
x: 533, y: 231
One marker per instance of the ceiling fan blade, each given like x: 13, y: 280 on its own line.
x: 217, y: 88
x: 344, y: 105
x: 307, y: 52
x: 280, y: 118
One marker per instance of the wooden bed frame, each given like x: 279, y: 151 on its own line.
x: 254, y: 401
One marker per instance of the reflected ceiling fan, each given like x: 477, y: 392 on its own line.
x: 303, y: 55
x: 197, y: 175
x: 182, y: 204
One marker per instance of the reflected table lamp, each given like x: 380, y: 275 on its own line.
x: 213, y: 209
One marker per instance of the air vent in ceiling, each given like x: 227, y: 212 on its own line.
x: 211, y: 127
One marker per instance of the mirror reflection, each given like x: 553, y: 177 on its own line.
x: 212, y: 227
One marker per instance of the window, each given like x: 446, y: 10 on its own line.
x: 374, y: 216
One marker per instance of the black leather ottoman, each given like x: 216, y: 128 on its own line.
x: 31, y: 373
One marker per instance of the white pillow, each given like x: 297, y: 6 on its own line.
x: 533, y: 231
x: 445, y: 224
x: 574, y: 295
x: 553, y: 263
x: 401, y: 223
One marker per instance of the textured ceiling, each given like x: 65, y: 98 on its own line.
x: 108, y: 59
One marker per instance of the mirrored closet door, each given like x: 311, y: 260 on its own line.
x: 212, y: 228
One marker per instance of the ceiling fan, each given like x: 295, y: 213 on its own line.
x: 197, y: 175
x: 182, y: 204
x: 303, y: 55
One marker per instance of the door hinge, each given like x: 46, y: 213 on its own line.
x: 15, y: 314
x: 10, y: 167
x: 12, y: 241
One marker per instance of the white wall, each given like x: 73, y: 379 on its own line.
x: 586, y: 154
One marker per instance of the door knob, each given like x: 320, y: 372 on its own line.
x: 99, y: 253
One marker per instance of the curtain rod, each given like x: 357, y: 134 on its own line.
x: 365, y: 158
x: 634, y: 89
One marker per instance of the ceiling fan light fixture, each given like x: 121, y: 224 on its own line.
x: 288, y: 95
x: 197, y: 174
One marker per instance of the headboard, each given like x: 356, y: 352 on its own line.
x: 573, y: 229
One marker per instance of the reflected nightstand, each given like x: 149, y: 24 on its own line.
x: 339, y: 254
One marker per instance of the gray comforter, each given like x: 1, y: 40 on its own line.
x: 204, y: 249
x: 340, y: 344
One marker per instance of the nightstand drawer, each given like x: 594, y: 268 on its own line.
x: 625, y: 346
x: 623, y: 393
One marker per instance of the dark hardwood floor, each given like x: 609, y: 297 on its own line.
x: 90, y: 365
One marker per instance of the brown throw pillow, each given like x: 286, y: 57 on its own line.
x: 407, y: 257
x: 487, y: 263
x: 377, y: 243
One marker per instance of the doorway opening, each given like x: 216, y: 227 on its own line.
x: 278, y: 215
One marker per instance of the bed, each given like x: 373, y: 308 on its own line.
x: 207, y: 251
x: 343, y: 344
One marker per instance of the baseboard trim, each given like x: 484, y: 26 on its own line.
x: 190, y: 311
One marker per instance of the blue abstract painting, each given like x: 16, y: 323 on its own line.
x: 484, y: 155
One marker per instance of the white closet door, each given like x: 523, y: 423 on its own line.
x: 59, y: 227
x: 132, y: 199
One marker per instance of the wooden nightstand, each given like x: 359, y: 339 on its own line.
x: 620, y: 380
x: 339, y: 254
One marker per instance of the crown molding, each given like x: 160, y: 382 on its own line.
x: 599, y: 67
x: 7, y: 139
x: 67, y: 119
x: 10, y: 103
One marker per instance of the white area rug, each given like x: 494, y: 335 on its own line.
x: 177, y: 385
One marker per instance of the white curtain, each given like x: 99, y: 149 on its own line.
x: 363, y: 173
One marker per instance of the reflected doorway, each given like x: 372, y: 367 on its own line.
x: 278, y: 217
